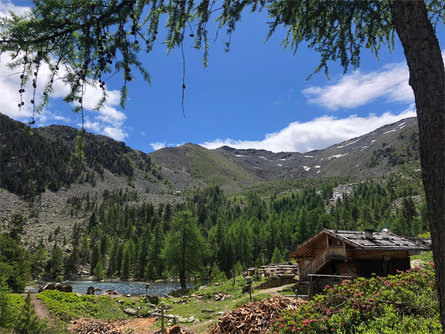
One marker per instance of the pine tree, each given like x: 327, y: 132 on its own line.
x: 98, y: 271
x: 55, y: 263
x: 28, y: 322
x: 276, y: 257
x: 6, y: 316
x: 184, y: 246
x: 125, y: 267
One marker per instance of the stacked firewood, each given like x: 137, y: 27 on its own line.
x: 254, y: 317
x: 93, y: 326
x: 175, y: 329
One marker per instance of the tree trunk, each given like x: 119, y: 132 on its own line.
x: 426, y: 70
x: 182, y: 279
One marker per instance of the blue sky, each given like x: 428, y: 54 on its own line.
x: 255, y: 96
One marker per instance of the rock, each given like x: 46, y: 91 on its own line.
x: 120, y: 301
x: 67, y: 288
x: 49, y: 286
x: 192, y: 319
x: 153, y: 299
x: 182, y: 319
x: 202, y: 287
x: 217, y: 284
x: 90, y: 290
x: 130, y: 311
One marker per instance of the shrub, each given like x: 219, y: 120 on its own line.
x: 406, y: 302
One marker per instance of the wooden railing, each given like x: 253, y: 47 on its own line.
x: 320, y: 260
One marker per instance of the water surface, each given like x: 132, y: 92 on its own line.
x: 123, y: 287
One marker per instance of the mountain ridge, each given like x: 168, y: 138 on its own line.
x: 40, y: 174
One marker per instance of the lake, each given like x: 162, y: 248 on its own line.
x: 122, y: 287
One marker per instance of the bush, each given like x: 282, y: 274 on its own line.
x: 406, y: 302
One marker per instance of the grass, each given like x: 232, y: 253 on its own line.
x: 426, y: 257
x: 67, y: 306
x: 187, y: 306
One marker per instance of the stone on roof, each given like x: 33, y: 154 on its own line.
x: 381, y: 240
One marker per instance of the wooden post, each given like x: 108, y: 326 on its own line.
x: 309, y: 293
x: 162, y: 321
x: 327, y: 243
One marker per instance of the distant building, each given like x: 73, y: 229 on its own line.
x: 354, y: 253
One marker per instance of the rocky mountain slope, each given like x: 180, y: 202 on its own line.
x: 388, y: 149
x: 40, y: 172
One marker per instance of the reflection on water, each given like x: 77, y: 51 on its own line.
x: 134, y: 288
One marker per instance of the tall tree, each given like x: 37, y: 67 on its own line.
x: 184, y: 246
x: 89, y: 39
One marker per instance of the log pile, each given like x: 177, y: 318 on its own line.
x: 175, y: 329
x: 93, y: 326
x: 254, y: 317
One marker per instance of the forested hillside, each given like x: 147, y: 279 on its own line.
x: 122, y: 213
x: 122, y: 240
x: 35, y: 160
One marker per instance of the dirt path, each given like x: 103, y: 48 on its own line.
x: 41, y: 310
x: 273, y: 292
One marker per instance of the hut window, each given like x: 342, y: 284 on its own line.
x: 330, y: 242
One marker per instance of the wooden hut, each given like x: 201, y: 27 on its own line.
x: 354, y: 253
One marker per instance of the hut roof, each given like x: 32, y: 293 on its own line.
x: 362, y: 241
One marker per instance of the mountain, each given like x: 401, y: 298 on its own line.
x: 41, y: 175
x: 386, y: 150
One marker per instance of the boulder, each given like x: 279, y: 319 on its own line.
x: 67, y: 288
x: 130, y: 311
x: 153, y: 299
x: 90, y: 290
x: 49, y: 286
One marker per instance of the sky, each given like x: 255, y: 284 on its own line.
x: 255, y: 96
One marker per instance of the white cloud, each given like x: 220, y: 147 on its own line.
x: 7, y: 7
x: 357, y: 89
x: 158, y: 145
x: 115, y: 133
x: 108, y: 120
x: 315, y: 134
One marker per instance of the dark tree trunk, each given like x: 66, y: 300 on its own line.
x: 426, y: 70
x: 182, y: 279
